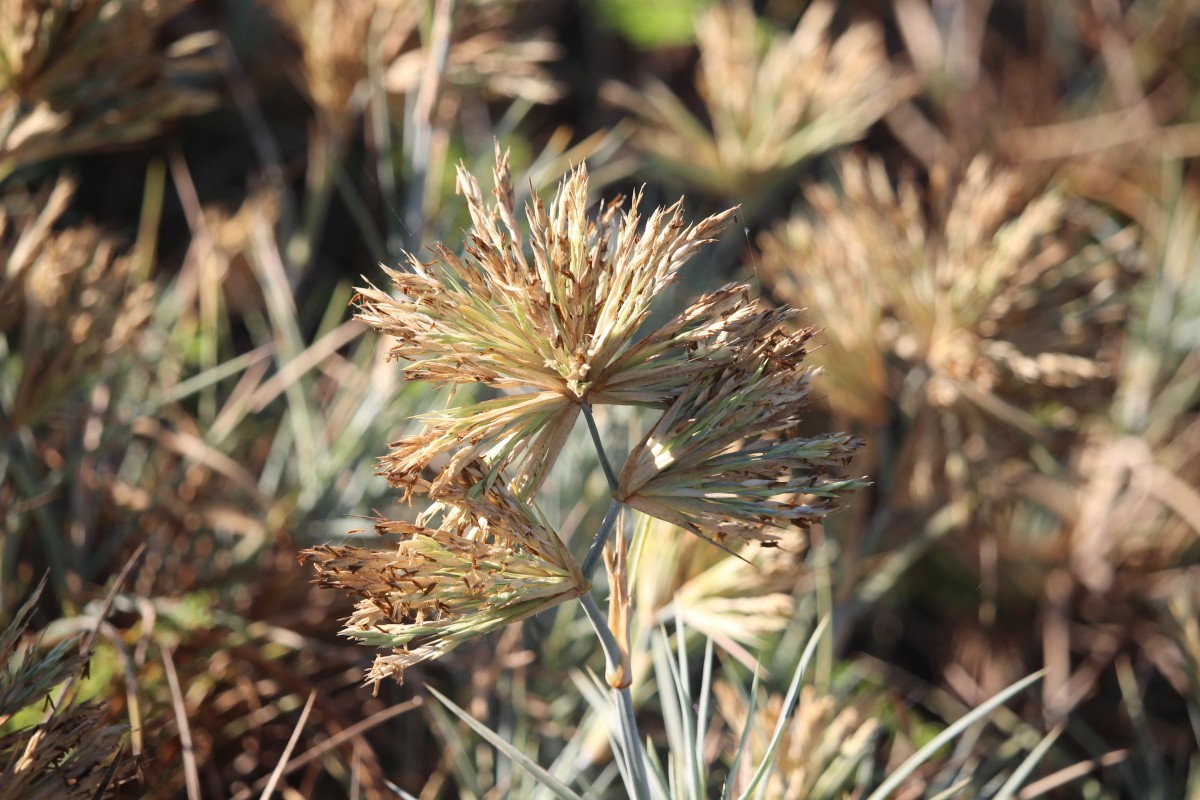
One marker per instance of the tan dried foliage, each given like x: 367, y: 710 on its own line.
x: 557, y: 327
x: 1135, y: 507
x: 335, y: 39
x: 1182, y: 596
x: 90, y: 74
x: 491, y: 561
x: 980, y: 306
x: 487, y: 53
x: 737, y: 602
x: 68, y: 301
x: 339, y: 41
x: 767, y: 108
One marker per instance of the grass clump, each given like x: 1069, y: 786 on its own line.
x: 629, y: 552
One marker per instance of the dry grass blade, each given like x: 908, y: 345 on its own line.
x: 281, y: 767
x: 1062, y: 777
x: 85, y: 647
x: 191, y: 774
x: 333, y: 742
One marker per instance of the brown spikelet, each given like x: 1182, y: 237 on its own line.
x: 490, y: 561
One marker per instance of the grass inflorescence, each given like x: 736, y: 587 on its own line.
x: 752, y: 400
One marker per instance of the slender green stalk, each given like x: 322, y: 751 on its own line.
x: 594, y: 552
x: 324, y: 153
x: 626, y: 717
x: 604, y: 463
x: 612, y: 650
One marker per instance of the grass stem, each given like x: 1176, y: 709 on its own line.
x: 597, y: 548
x: 627, y: 720
x: 604, y: 463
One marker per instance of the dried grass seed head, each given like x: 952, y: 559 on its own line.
x: 483, y: 53
x: 69, y: 304
x: 334, y: 38
x: 724, y: 459
x: 768, y: 108
x: 982, y: 302
x: 491, y: 54
x: 828, y: 737
x: 80, y: 76
x: 491, y: 560
x: 737, y: 602
x: 554, y: 321
x: 981, y: 291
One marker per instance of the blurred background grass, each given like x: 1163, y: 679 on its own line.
x: 991, y: 210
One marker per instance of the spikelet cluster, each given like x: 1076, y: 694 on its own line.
x: 723, y: 458
x: 971, y: 313
x: 489, y: 561
x: 554, y: 327
x: 549, y: 324
x: 768, y: 108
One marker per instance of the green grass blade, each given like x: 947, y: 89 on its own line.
x: 1015, y: 781
x: 789, y: 703
x: 462, y: 764
x: 918, y: 758
x: 545, y: 778
x: 702, y: 714
x: 727, y: 789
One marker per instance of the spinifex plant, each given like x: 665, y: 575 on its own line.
x: 553, y: 323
